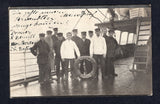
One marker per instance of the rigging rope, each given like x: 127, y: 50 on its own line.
x: 90, y: 13
x: 103, y: 14
x: 93, y: 15
x: 106, y: 14
x: 83, y: 13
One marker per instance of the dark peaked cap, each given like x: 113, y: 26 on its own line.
x: 60, y: 34
x: 49, y: 32
x: 41, y: 34
x: 74, y: 30
x: 97, y: 29
x: 55, y: 29
x: 83, y: 33
x: 90, y: 31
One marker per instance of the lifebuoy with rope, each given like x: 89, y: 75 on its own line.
x: 77, y: 68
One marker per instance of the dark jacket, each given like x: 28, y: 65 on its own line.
x: 42, y: 48
x: 78, y: 42
x: 85, y: 47
x: 54, y: 38
x: 111, y: 44
x: 57, y: 47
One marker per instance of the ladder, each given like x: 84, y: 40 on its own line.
x: 140, y: 62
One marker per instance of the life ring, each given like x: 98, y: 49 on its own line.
x: 77, y: 69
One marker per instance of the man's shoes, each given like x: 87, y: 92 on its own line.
x: 79, y: 79
x: 74, y: 79
x: 115, y: 74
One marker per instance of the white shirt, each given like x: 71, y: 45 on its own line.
x: 68, y: 49
x: 98, y: 46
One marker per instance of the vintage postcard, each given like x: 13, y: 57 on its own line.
x: 79, y: 51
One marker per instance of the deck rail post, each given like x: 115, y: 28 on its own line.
x: 127, y: 38
x: 25, y: 71
x: 120, y: 37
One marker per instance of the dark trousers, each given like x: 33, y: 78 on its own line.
x: 110, y: 70
x: 58, y: 61
x: 85, y: 68
x: 44, y: 72
x: 100, y: 61
x: 66, y: 65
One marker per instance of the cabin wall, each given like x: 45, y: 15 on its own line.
x: 126, y: 46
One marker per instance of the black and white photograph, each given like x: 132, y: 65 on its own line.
x: 80, y: 51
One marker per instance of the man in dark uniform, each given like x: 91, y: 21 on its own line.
x: 85, y: 52
x: 58, y: 59
x: 111, y: 48
x: 49, y: 41
x: 54, y: 39
x: 54, y: 36
x: 85, y: 45
x: 77, y: 39
x: 90, y: 33
x: 41, y: 50
x: 104, y: 33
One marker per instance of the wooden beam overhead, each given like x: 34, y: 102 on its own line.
x: 123, y: 25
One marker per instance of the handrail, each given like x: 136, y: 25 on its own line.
x: 24, y: 79
x: 24, y: 66
x: 22, y: 59
x: 25, y: 72
x: 19, y: 52
x: 27, y: 80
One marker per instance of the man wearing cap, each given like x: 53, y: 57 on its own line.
x: 68, y: 50
x: 90, y: 33
x: 105, y: 33
x: 58, y: 59
x: 54, y: 36
x: 111, y: 47
x: 42, y: 50
x: 77, y: 39
x: 98, y: 50
x: 85, y: 52
x: 49, y: 41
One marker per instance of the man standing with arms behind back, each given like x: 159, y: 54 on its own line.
x: 98, y: 51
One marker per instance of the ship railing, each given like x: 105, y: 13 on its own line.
x: 23, y: 79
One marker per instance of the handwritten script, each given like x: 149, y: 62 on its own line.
x: 25, y: 25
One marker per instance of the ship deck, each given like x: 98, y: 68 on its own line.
x: 124, y: 84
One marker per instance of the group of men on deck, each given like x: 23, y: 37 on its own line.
x: 54, y: 50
